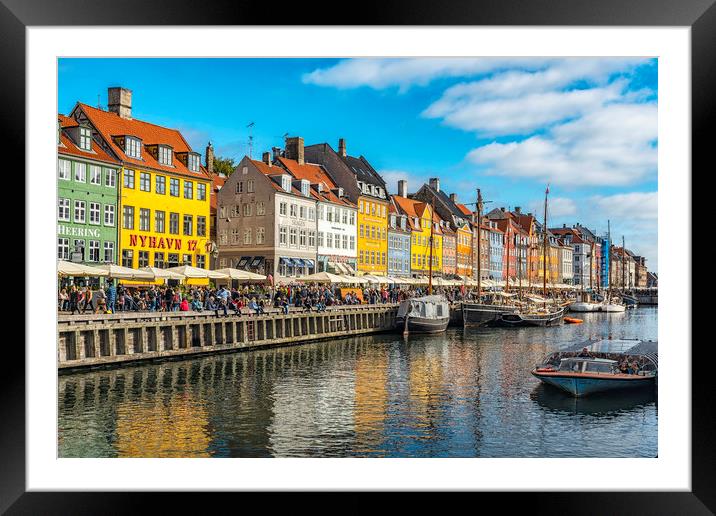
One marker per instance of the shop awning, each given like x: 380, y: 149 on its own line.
x: 256, y: 262
x: 350, y: 269
x: 243, y: 262
x: 298, y: 262
x: 309, y: 263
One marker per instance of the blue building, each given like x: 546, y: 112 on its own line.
x: 604, y: 268
x: 497, y: 251
x: 398, y: 244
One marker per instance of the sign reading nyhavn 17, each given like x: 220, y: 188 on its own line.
x: 153, y: 242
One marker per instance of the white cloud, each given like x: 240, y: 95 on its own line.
x: 403, y: 73
x: 558, y: 207
x: 635, y: 207
x: 614, y: 145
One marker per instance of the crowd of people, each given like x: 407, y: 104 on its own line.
x: 248, y: 298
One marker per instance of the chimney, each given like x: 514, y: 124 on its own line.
x: 342, y: 147
x: 453, y: 198
x: 266, y: 158
x: 276, y: 152
x: 502, y: 209
x: 119, y: 100
x: 209, y: 156
x: 402, y: 188
x: 294, y: 149
x: 518, y: 210
x: 435, y: 183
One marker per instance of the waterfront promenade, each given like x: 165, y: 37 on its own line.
x: 94, y: 340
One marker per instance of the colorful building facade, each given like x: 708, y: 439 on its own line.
x: 164, y: 200
x: 87, y: 178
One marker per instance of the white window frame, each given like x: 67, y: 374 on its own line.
x: 110, y: 178
x: 133, y: 147
x: 109, y: 214
x: 95, y: 175
x: 93, y: 247
x: 109, y: 246
x: 95, y: 209
x: 63, y: 207
x: 85, y: 138
x: 63, y: 248
x: 80, y: 167
x: 64, y: 169
x: 80, y: 207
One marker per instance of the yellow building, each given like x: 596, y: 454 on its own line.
x: 372, y: 239
x: 164, y: 200
x: 421, y: 217
x: 464, y: 250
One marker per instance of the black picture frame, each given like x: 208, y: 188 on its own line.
x: 16, y: 15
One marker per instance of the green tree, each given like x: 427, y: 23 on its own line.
x: 224, y: 165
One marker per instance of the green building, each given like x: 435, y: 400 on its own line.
x: 87, y: 188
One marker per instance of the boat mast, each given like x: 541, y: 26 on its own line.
x: 544, y: 248
x: 623, y: 267
x: 479, y: 245
x: 430, y: 273
x: 609, y: 255
x: 507, y: 276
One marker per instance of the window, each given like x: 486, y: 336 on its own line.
x: 294, y: 210
x: 188, y: 190
x: 194, y: 162
x: 129, y: 217
x: 63, y: 209
x: 345, y: 241
x: 63, y: 248
x: 282, y: 208
x: 174, y: 187
x: 293, y: 234
x: 127, y: 258
x: 201, y: 261
x: 260, y: 208
x: 129, y: 178
x: 63, y: 169
x: 80, y: 211
x: 109, y: 252
x: 329, y: 239
x: 159, y: 260
x: 305, y: 185
x: 353, y: 242
x: 174, y: 223
x: 311, y: 214
x: 247, y: 210
x: 360, y: 206
x: 160, y: 186
x: 235, y: 212
x: 311, y: 239
x: 85, y: 138
x: 173, y: 260
x: 145, y: 182
x: 361, y: 260
x: 302, y: 238
x: 133, y: 147
x: 188, y: 223
x: 320, y: 239
x: 352, y: 218
x: 95, y: 175
x: 260, y: 235
x: 110, y: 177
x: 240, y: 187
x: 250, y: 186
x: 361, y: 231
x: 80, y: 172
x: 200, y: 226
x: 344, y: 216
x: 320, y: 212
x: 94, y: 213
x: 247, y: 236
x: 201, y: 191
x: 79, y: 246
x: 302, y: 212
x: 286, y: 183
x: 235, y: 235
x: 159, y: 218
x: 93, y: 251
x: 329, y: 213
x: 222, y: 211
x: 144, y: 215
x: 143, y: 259
x: 282, y: 236
x: 223, y: 237
x: 165, y: 155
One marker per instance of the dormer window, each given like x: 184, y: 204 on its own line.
x: 305, y: 187
x: 340, y: 191
x: 392, y: 220
x: 165, y: 155
x: 85, y: 138
x: 133, y: 147
x: 286, y: 182
x: 194, y: 162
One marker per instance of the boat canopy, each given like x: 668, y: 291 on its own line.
x: 430, y: 307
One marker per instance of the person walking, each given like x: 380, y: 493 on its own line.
x: 101, y: 299
x: 74, y: 296
x: 111, y: 298
x: 88, y: 300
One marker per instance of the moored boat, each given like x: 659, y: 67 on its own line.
x: 479, y: 314
x: 427, y: 314
x: 549, y: 317
x: 601, y: 366
x: 584, y: 307
x: 612, y: 307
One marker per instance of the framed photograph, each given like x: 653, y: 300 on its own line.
x: 419, y: 252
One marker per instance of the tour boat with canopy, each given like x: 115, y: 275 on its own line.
x: 599, y: 366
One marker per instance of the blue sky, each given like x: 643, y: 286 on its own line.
x: 510, y: 126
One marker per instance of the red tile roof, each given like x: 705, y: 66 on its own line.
x: 315, y: 174
x: 110, y: 125
x: 464, y: 209
x: 67, y: 146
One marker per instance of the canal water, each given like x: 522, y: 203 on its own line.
x: 467, y: 393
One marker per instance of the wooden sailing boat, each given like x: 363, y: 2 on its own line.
x: 546, y: 316
x: 425, y: 314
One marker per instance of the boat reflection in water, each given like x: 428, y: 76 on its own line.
x: 599, y: 404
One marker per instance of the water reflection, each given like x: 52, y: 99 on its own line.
x: 467, y: 393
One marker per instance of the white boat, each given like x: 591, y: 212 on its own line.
x: 581, y: 306
x: 612, y: 307
x: 427, y: 314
